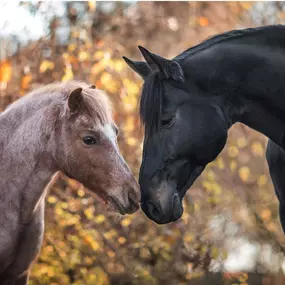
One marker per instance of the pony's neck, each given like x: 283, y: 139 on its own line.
x: 26, y: 165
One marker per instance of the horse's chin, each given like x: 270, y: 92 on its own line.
x: 190, y: 181
x: 115, y: 206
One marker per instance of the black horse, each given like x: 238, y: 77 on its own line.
x: 189, y: 103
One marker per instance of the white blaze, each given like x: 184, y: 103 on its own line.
x: 110, y: 133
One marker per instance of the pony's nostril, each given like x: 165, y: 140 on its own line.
x: 133, y: 201
x: 154, y: 210
x: 132, y: 197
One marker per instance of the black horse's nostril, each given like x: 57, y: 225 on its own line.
x: 177, y: 207
x: 154, y: 210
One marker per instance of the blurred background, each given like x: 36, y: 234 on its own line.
x: 230, y: 231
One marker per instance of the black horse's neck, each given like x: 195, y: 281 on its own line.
x: 247, y: 72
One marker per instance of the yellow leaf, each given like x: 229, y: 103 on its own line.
x: 220, y: 163
x: 132, y: 87
x: 95, y: 245
x: 110, y: 234
x: 262, y: 180
x: 52, y: 199
x: 126, y: 222
x: 111, y: 253
x: 211, y: 175
x: 241, y: 142
x: 64, y: 205
x: 215, y: 252
x: 121, y: 240
x: 196, y: 206
x: 109, y: 83
x: 65, y: 56
x: 129, y: 124
x: 83, y: 56
x: 81, y: 193
x: 188, y: 237
x: 46, y: 65
x: 131, y: 141
x: 71, y: 47
x: 257, y: 149
x: 98, y: 55
x: 244, y: 173
x: 92, y: 5
x: 68, y: 75
x: 217, y: 189
x: 89, y: 213
x: 203, y: 249
x: 233, y: 165
x: 207, y: 185
x: 246, y: 5
x: 233, y: 151
x: 97, y: 68
x: 118, y: 65
x: 99, y: 219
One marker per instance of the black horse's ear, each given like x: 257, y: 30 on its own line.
x: 140, y: 67
x: 75, y: 100
x: 168, y: 68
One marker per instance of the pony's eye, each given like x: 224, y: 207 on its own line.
x: 167, y: 122
x: 89, y: 140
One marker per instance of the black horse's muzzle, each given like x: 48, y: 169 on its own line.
x: 161, y: 215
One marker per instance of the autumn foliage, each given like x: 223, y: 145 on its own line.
x: 234, y: 197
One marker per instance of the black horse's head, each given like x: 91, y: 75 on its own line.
x: 184, y: 131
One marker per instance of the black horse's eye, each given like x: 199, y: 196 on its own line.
x: 167, y: 122
x: 89, y: 140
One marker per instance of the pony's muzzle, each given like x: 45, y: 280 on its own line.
x: 133, y: 200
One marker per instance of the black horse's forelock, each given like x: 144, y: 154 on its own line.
x: 151, y: 103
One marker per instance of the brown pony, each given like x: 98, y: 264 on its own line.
x: 64, y: 127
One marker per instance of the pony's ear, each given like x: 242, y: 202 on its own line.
x: 140, y: 67
x: 75, y: 100
x: 167, y: 68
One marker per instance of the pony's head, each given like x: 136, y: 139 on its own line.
x: 184, y: 131
x: 85, y: 146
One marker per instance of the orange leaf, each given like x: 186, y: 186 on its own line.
x: 203, y: 21
x: 25, y: 81
x: 266, y: 215
x: 5, y: 71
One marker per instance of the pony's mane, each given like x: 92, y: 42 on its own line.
x: 96, y: 101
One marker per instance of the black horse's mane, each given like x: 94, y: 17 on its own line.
x: 152, y: 93
x: 151, y: 103
x: 223, y: 37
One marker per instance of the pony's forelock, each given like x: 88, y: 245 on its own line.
x: 96, y: 102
